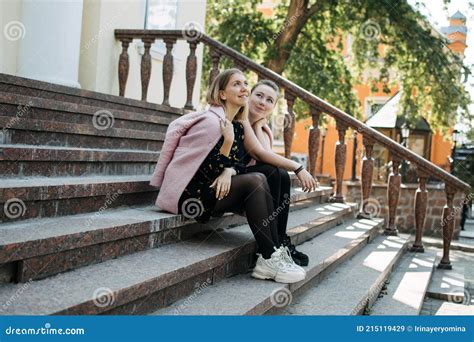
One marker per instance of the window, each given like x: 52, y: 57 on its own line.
x: 374, y: 108
x: 161, y: 15
x: 373, y: 104
x: 416, y: 143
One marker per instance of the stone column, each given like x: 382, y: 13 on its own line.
x: 50, y: 50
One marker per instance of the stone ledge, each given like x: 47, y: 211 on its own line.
x: 50, y: 264
x: 21, y: 241
x: 408, y: 284
x: 414, y: 186
x: 79, y: 129
x: 243, y: 295
x: 135, y: 276
x: 35, y: 88
x: 356, y: 284
x: 58, y: 153
x: 46, y: 107
x: 46, y: 188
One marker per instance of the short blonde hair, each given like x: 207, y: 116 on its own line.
x: 219, y: 83
x: 268, y: 83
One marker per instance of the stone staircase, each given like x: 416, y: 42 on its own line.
x: 79, y: 233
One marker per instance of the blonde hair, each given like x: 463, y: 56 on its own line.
x: 268, y: 83
x: 220, y: 82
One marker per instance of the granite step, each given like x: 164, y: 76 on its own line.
x: 407, y: 285
x: 53, y: 161
x: 449, y: 285
x: 437, y: 307
x: 40, y: 89
x: 55, y: 133
x: 355, y: 285
x: 243, y: 295
x: 21, y: 108
x: 38, y: 197
x: 19, y: 161
x: 40, y: 248
x: 144, y: 281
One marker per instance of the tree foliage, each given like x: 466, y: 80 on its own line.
x: 303, y: 41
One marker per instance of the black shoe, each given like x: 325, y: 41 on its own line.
x: 299, y: 258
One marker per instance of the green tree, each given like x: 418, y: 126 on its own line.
x: 303, y: 42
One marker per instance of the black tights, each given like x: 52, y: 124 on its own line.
x: 279, y: 183
x: 250, y: 192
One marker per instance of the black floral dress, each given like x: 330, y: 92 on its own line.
x: 198, y: 199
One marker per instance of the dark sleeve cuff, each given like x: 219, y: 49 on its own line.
x: 240, y: 168
x: 224, y: 161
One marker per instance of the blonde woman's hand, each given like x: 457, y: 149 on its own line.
x: 308, y: 183
x: 222, y: 183
x: 259, y: 123
x: 227, y: 130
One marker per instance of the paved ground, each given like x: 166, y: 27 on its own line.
x: 467, y: 235
x: 460, y: 260
x: 436, y: 307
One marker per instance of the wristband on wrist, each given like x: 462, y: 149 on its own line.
x: 298, y: 170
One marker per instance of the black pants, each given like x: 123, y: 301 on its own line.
x: 250, y: 192
x: 279, y: 183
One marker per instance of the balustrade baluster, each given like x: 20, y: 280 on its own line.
x: 289, y: 124
x: 366, y: 174
x: 168, y: 70
x: 191, y: 69
x: 123, y: 66
x: 340, y: 160
x: 447, y: 223
x: 215, y: 56
x: 313, y: 141
x: 393, y: 195
x: 421, y: 202
x: 145, y: 70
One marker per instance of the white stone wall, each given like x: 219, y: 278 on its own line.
x: 100, y: 50
x: 72, y: 43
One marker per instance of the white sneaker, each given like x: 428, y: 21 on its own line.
x: 278, y: 268
x: 287, y: 255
